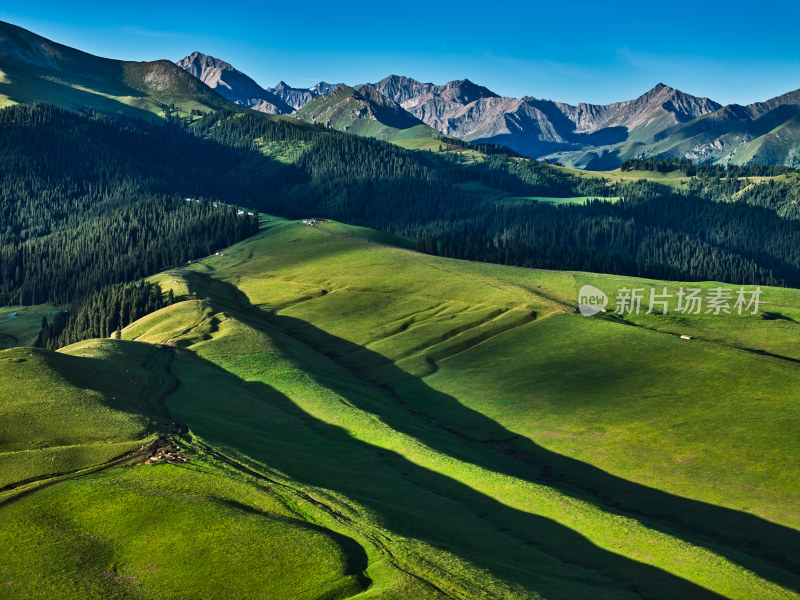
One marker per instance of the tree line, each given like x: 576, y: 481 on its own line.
x: 690, y: 169
x: 103, y: 313
x: 482, y: 147
x: 695, y: 233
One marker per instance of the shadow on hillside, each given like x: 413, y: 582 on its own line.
x: 763, y: 547
x: 412, y: 502
x: 731, y: 533
x: 357, y: 562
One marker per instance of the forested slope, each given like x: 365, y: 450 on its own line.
x: 88, y: 199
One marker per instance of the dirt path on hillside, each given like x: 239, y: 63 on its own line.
x: 72, y: 475
x: 160, y: 386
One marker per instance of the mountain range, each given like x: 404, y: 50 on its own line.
x: 232, y: 84
x: 661, y: 122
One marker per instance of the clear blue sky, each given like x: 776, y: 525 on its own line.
x: 595, y: 52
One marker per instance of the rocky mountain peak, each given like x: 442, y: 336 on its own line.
x: 323, y: 87
x: 531, y: 126
x: 464, y: 91
x: 197, y: 61
x: 232, y: 84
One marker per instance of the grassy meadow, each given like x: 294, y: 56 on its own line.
x: 348, y: 418
x: 424, y: 143
x: 20, y: 325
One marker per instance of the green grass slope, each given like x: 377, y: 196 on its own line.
x: 165, y: 531
x: 408, y: 314
x: 424, y: 339
x: 779, y: 146
x: 64, y: 413
x: 77, y: 525
x: 425, y: 143
x: 437, y: 429
x: 364, y: 112
x: 20, y: 325
x: 33, y: 68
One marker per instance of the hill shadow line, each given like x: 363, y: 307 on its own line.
x: 768, y: 549
x: 410, y: 501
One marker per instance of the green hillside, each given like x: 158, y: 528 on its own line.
x: 776, y: 146
x: 33, y: 69
x: 357, y: 419
x: 364, y: 112
x: 425, y: 143
x: 19, y: 325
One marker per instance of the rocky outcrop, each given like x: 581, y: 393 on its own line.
x: 435, y: 105
x: 299, y: 97
x: 233, y: 84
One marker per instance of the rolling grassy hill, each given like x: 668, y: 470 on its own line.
x: 358, y: 419
x: 431, y: 144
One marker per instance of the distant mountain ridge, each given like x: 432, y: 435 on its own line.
x: 233, y: 84
x: 299, y: 97
x: 538, y: 127
x: 241, y: 89
x: 661, y: 122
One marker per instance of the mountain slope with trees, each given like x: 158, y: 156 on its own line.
x: 89, y: 199
x: 80, y: 215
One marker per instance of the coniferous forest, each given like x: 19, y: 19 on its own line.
x: 89, y: 200
x: 694, y: 234
x: 102, y: 313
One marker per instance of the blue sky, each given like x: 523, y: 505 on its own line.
x: 579, y: 51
